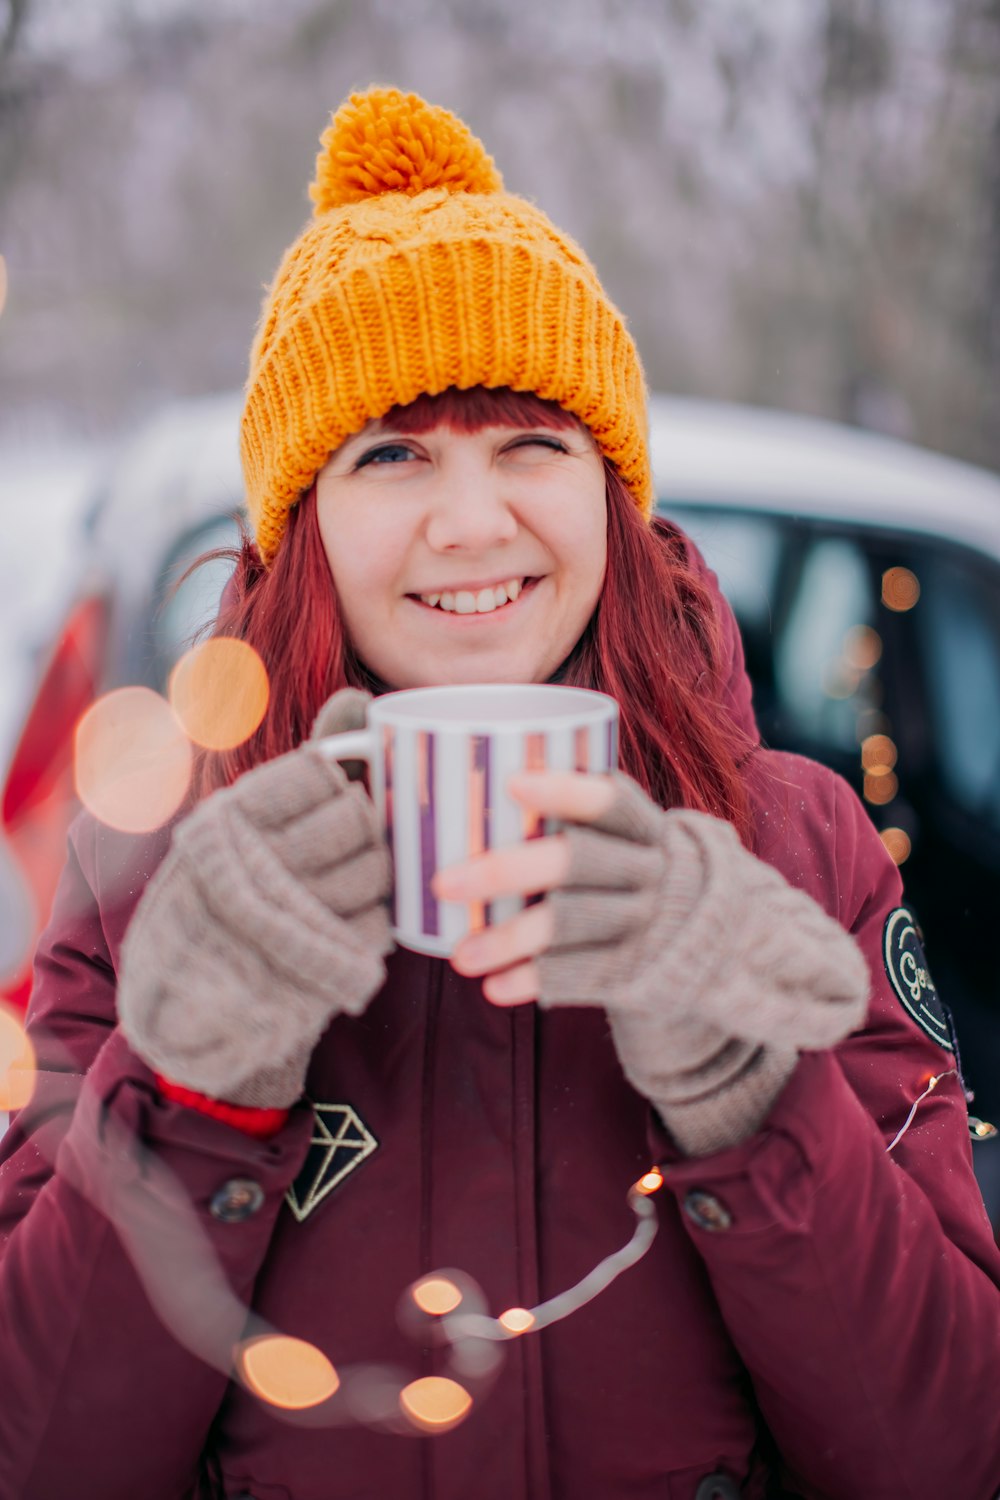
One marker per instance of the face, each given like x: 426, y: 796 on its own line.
x: 464, y: 557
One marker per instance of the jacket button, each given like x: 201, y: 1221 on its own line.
x: 236, y: 1200
x: 707, y: 1211
x: 717, y: 1487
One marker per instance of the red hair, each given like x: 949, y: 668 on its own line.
x: 654, y: 642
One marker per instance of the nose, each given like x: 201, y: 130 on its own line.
x: 469, y: 512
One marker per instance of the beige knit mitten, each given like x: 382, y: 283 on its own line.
x: 714, y: 971
x: 266, y: 919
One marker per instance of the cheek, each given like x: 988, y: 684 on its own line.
x: 360, y: 562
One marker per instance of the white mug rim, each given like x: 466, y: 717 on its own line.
x: 587, y: 707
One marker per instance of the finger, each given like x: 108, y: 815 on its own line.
x: 355, y: 883
x: 521, y: 937
x: 580, y: 918
x: 514, y: 986
x: 604, y: 861
x: 335, y: 830
x: 578, y: 796
x: 273, y: 794
x: 522, y: 870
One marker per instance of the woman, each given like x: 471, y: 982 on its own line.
x: 290, y: 1123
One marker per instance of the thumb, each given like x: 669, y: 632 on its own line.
x: 346, y: 710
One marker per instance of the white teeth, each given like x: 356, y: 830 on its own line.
x: 465, y: 602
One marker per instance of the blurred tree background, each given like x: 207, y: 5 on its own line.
x: 795, y: 202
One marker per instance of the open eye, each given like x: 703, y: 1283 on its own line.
x: 385, y: 453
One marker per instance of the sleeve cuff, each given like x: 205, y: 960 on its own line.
x: 260, y: 1123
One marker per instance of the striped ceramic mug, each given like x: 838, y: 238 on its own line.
x: 439, y: 760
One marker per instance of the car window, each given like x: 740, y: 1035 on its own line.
x: 744, y: 552
x: 959, y: 629
x: 816, y: 672
x: 190, y: 606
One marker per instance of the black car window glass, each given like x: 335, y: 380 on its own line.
x: 819, y: 685
x: 189, y: 607
x: 743, y: 551
x: 959, y: 631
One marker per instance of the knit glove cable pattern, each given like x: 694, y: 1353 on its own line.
x: 266, y: 919
x: 714, y: 971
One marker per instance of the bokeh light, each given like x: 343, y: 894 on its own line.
x: 517, y: 1320
x: 880, y: 786
x: 219, y: 691
x: 287, y: 1372
x: 878, y: 750
x: 840, y: 679
x: 17, y: 1061
x: 132, y: 760
x: 900, y: 589
x: 898, y: 843
x: 436, y: 1295
x: 435, y: 1403
x: 650, y: 1182
x: 862, y: 647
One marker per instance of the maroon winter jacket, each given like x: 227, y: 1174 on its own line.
x: 817, y: 1317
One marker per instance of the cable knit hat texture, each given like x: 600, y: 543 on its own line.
x: 418, y: 272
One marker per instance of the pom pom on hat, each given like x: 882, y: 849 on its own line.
x: 384, y: 141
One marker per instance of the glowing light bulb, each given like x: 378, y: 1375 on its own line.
x: 435, y: 1403
x: 219, y: 691
x: 287, y: 1372
x: 650, y: 1182
x: 436, y: 1295
x: 517, y: 1320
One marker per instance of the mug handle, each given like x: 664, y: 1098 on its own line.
x: 355, y: 744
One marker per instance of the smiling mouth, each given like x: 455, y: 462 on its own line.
x: 464, y: 604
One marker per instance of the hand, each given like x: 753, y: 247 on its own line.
x: 266, y: 918
x: 713, y: 970
x: 506, y: 953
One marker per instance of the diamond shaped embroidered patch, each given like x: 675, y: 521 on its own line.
x: 340, y: 1142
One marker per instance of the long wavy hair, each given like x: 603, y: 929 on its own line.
x: 654, y: 641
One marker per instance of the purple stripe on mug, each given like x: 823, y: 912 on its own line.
x: 428, y: 830
x: 440, y: 762
x: 388, y: 736
x: 478, y: 816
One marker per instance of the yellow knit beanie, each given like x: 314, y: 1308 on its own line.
x: 418, y: 272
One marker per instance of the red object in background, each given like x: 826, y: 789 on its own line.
x: 39, y: 796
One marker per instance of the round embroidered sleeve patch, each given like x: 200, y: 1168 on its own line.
x: 906, y: 966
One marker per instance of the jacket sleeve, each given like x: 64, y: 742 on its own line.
x: 121, y: 1292
x: 859, y: 1283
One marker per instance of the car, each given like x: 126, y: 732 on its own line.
x: 864, y: 573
